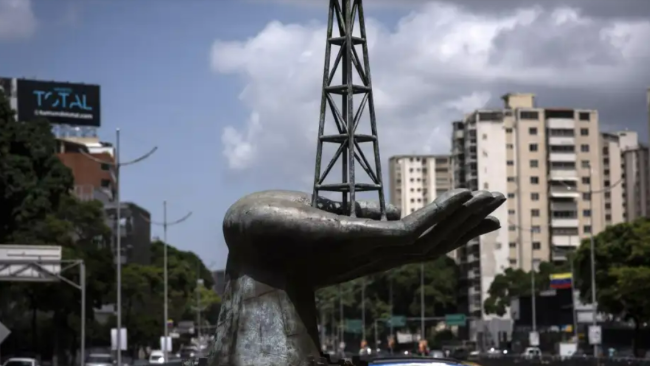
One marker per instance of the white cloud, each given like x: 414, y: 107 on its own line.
x: 17, y: 21
x: 434, y: 65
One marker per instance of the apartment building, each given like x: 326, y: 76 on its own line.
x: 546, y: 160
x: 416, y: 180
x: 626, y: 177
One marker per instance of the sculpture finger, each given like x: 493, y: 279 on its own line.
x: 369, y: 266
x: 488, y: 225
x: 443, y: 207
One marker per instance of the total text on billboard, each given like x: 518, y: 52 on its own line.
x: 59, y: 103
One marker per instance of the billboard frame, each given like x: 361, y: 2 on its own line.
x: 40, y: 266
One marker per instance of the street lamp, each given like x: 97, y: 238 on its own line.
x: 165, y: 224
x: 118, y: 164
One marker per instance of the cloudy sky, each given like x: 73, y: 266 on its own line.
x: 230, y: 90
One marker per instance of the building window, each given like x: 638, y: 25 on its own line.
x: 532, y: 131
x: 510, y: 146
x: 512, y: 228
x: 534, y: 163
x: 584, y: 116
x: 608, y: 217
x: 534, y: 212
x: 584, y: 148
x: 584, y: 132
x: 534, y: 196
x: 528, y: 115
x: 586, y: 196
x: 511, y: 179
x: 513, y: 262
x: 508, y: 130
x: 513, y: 244
x: 586, y: 213
x: 532, y: 147
x: 537, y: 245
x: 534, y: 180
x: 536, y: 229
x: 511, y: 195
x: 510, y: 162
x: 586, y: 229
x: 412, y: 201
x: 511, y: 212
x: 106, y: 166
x: 105, y: 183
x: 586, y: 180
x: 584, y: 163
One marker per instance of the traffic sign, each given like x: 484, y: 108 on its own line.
x: 533, y: 339
x: 4, y: 332
x: 354, y: 326
x: 396, y: 321
x: 456, y: 319
x: 595, y: 334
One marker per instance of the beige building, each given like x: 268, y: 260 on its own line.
x: 546, y: 161
x: 626, y: 177
x: 416, y: 180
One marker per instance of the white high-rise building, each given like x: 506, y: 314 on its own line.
x: 546, y: 161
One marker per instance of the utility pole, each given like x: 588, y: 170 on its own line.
x: 118, y: 164
x: 573, y: 298
x: 532, y: 278
x: 341, y: 321
x: 592, y: 250
x: 422, y: 332
x: 165, y: 224
x: 390, y: 299
x: 199, y: 285
x: 363, y: 309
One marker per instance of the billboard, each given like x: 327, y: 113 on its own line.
x: 59, y: 103
x: 29, y: 263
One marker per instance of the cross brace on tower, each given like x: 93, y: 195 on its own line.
x: 347, y: 119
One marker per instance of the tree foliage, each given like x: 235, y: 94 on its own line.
x: 36, y: 207
x: 514, y: 283
x: 622, y: 262
x: 440, y: 289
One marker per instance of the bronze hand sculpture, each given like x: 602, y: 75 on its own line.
x: 281, y: 249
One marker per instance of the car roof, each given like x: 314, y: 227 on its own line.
x: 413, y: 360
x: 21, y: 359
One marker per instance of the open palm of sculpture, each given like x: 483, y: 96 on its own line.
x: 281, y: 249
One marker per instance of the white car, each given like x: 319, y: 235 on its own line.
x: 156, y: 357
x: 19, y: 361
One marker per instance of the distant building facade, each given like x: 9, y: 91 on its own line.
x: 135, y: 231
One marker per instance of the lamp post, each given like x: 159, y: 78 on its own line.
x: 165, y: 224
x: 118, y: 164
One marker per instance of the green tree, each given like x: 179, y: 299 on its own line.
x: 33, y: 181
x: 440, y: 284
x: 622, y: 256
x: 514, y: 283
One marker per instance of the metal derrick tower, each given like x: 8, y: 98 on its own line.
x: 344, y: 13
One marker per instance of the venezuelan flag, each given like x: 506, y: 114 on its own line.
x: 561, y: 281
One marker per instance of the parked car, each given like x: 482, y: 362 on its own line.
x: 99, y: 359
x: 156, y: 357
x: 20, y: 361
x: 407, y: 360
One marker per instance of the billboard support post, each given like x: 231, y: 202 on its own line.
x: 42, y: 267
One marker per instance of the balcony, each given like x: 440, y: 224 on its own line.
x: 564, y: 222
x: 565, y: 240
x: 559, y: 254
x: 560, y: 191
x: 560, y: 123
x: 561, y: 141
x: 563, y: 174
x: 564, y: 205
x: 560, y: 157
